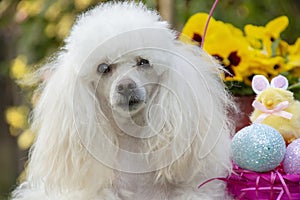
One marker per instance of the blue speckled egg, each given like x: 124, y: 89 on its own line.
x: 258, y: 148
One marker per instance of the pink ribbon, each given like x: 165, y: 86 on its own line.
x: 245, y: 184
x: 278, y: 111
x: 273, y: 175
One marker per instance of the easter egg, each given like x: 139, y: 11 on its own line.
x: 291, y: 162
x: 258, y: 148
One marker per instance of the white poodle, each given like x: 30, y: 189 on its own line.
x: 129, y: 112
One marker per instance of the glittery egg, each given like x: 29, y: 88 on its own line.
x: 291, y: 162
x: 258, y: 148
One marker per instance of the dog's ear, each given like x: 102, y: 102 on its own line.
x: 65, y: 121
x: 197, y: 103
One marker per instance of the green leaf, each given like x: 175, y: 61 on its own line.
x: 274, y: 46
x: 295, y: 88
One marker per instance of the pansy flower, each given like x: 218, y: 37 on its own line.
x: 223, y: 41
x: 194, y: 28
x: 293, y: 58
x: 257, y: 50
x: 230, y: 48
x: 266, y: 39
x: 269, y: 67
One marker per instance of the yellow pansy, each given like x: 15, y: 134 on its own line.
x: 266, y: 39
x: 293, y: 61
x: 257, y: 50
x: 282, y: 49
x: 235, y: 31
x: 223, y: 41
x: 231, y: 54
x: 293, y: 58
x: 230, y: 48
x: 295, y: 48
x: 254, y: 36
x: 276, y: 26
x: 194, y: 28
x: 270, y: 67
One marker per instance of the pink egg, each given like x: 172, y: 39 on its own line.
x: 291, y: 162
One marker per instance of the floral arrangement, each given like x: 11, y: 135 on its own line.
x: 256, y: 50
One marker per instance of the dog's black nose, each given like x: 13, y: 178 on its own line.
x: 126, y: 87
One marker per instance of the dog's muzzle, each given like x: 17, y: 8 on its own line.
x: 130, y: 94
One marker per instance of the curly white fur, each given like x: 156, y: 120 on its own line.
x: 78, y: 128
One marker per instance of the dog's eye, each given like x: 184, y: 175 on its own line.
x: 103, y: 68
x: 143, y: 62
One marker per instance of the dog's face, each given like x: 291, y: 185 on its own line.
x: 127, y: 85
x: 124, y: 75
